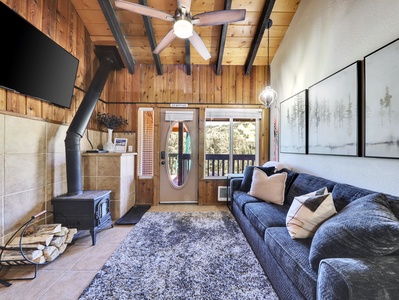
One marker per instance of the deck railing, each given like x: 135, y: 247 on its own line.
x: 218, y: 164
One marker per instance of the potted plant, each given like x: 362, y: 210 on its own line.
x: 111, y: 123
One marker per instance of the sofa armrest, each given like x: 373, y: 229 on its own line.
x: 358, y: 278
x: 235, y: 184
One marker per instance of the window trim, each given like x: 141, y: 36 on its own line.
x: 232, y: 114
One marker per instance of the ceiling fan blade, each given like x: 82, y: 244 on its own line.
x: 169, y: 37
x: 184, y: 3
x: 199, y: 45
x: 219, y: 17
x: 144, y: 10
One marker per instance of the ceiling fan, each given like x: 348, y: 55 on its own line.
x: 184, y: 21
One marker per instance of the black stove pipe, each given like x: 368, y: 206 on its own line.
x: 81, y: 120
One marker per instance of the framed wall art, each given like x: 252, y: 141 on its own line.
x: 293, y: 124
x: 381, y: 113
x: 334, y: 113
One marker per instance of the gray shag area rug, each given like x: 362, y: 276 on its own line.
x: 185, y: 255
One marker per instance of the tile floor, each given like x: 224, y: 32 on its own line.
x: 71, y: 272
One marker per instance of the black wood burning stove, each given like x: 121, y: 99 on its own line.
x: 85, y: 210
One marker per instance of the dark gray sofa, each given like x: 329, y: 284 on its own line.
x: 286, y: 261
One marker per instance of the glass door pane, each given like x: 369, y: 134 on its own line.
x: 244, y: 145
x: 217, y: 148
x: 179, y: 154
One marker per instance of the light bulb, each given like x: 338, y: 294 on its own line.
x: 183, y: 28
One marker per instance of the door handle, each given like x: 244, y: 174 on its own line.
x: 162, y: 154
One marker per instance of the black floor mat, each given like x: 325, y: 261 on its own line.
x: 133, y: 216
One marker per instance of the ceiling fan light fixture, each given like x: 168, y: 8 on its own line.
x: 183, y: 28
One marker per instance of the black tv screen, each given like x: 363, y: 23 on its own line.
x: 32, y: 63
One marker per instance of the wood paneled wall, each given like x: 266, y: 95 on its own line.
x: 232, y: 87
x: 126, y: 91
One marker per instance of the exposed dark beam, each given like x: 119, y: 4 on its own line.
x: 222, y: 41
x: 188, y: 57
x: 260, y: 30
x: 151, y: 38
x: 113, y: 24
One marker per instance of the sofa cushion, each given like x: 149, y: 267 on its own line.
x: 359, y: 278
x: 263, y: 215
x: 365, y: 227
x: 291, y: 176
x: 394, y: 205
x: 242, y: 198
x: 268, y: 188
x: 247, y: 176
x: 293, y: 257
x: 343, y: 194
x: 306, y: 183
x: 308, y: 212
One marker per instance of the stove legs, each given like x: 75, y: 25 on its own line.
x: 103, y: 226
x: 93, y: 236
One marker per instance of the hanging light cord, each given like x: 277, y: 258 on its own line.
x: 268, y: 46
x: 268, y: 96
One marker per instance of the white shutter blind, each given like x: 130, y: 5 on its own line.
x: 218, y: 113
x: 146, y: 153
x: 175, y: 115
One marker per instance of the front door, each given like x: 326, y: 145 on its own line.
x: 179, y: 156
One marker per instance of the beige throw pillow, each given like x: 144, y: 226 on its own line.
x: 308, y: 212
x: 268, y: 188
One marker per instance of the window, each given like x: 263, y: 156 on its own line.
x: 146, y: 142
x: 231, y: 140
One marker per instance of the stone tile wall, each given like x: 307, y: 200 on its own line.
x: 32, y: 168
x: 111, y: 171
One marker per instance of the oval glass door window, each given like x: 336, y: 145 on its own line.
x: 179, y: 154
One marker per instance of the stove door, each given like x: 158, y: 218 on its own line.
x: 103, y: 212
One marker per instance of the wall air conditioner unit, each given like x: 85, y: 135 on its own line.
x: 223, y: 193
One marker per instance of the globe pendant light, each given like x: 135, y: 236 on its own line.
x: 268, y: 95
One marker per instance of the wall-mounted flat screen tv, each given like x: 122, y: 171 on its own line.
x: 32, y: 63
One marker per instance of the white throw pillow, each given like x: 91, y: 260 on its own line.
x: 308, y: 212
x: 277, y: 165
x: 268, y: 188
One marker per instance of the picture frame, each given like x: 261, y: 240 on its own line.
x: 334, y: 118
x: 293, y: 124
x: 120, y: 145
x: 381, y: 107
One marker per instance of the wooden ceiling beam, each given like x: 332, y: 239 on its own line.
x: 151, y: 39
x: 114, y: 26
x: 222, y: 41
x: 260, y: 30
x: 188, y: 57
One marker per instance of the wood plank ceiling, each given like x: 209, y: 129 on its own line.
x: 242, y: 43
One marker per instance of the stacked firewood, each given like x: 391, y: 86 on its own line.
x: 40, y: 244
